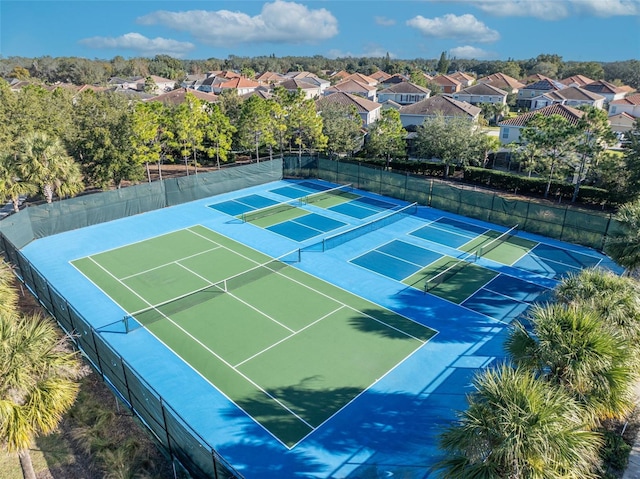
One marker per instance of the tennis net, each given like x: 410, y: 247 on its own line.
x: 450, y: 272
x: 343, y: 190
x: 167, y: 309
x: 386, y: 219
x: 494, y: 243
x: 269, y: 210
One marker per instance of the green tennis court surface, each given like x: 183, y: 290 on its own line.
x: 504, y: 247
x: 288, y: 348
x: 451, y: 278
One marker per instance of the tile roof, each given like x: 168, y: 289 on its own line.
x: 362, y: 104
x: 270, y: 77
x: 567, y: 112
x: 176, y: 97
x: 441, y: 104
x: 264, y: 94
x: 405, y: 87
x: 602, y: 86
x: 579, y: 80
x: 359, y: 77
x: 462, y: 77
x: 502, y: 81
x: 445, y: 80
x: 380, y: 76
x: 351, y: 86
x: 294, y: 84
x: 482, y: 89
x: 397, y: 78
x: 239, y: 82
x: 627, y: 100
x: 574, y: 93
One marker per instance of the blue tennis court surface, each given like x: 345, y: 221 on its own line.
x: 389, y: 430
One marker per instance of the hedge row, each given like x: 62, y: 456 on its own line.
x: 502, y: 180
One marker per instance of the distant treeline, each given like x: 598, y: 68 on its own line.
x: 82, y: 71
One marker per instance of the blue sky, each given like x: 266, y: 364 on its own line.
x: 580, y: 30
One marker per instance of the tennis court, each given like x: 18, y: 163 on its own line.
x: 287, y: 348
x: 338, y: 356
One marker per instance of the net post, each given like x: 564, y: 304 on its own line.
x: 127, y: 329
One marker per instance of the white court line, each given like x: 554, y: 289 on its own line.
x: 170, y: 262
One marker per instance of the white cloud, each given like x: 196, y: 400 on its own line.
x: 470, y: 52
x: 464, y: 27
x: 555, y: 9
x: 141, y: 44
x: 278, y: 22
x: 384, y: 21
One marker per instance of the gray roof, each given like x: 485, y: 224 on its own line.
x: 442, y: 104
x: 406, y: 87
x: 362, y: 104
x: 482, y: 89
x: 567, y: 112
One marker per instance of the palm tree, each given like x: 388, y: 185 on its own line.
x: 44, y: 162
x: 623, y: 245
x: 616, y: 299
x: 11, y: 185
x: 569, y: 346
x: 37, y: 382
x: 517, y: 426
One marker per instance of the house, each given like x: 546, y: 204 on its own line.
x: 178, y: 96
x: 360, y: 78
x: 416, y: 113
x: 310, y: 78
x: 481, y: 93
x: 404, y: 93
x: 502, y: 81
x: 242, y: 85
x: 394, y: 79
x: 464, y: 79
x: 355, y: 88
x: 629, y: 105
x: 339, y: 76
x: 310, y: 90
x: 576, y: 80
x: 138, y: 83
x: 447, y: 83
x: 261, y: 92
x: 536, y: 89
x: 510, y: 129
x: 270, y: 78
x: 369, y: 111
x: 606, y: 89
x: 536, y: 77
x: 380, y: 76
x: 572, y: 96
x: 622, y: 123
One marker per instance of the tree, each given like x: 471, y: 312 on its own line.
x: 517, y: 426
x: 304, y: 125
x: 623, y: 244
x: 570, y: 347
x: 44, y: 162
x: 631, y: 146
x: 614, y: 298
x: 386, y: 137
x: 219, y: 131
x: 443, y: 64
x: 12, y: 187
x: 556, y: 137
x: 454, y: 141
x: 38, y: 385
x: 149, y: 123
x: 342, y: 126
x: 150, y: 85
x: 186, y: 123
x: 494, y: 112
x: 103, y: 139
x: 253, y: 126
x: 593, y: 137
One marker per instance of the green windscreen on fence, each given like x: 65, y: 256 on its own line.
x: 49, y: 219
x: 588, y: 228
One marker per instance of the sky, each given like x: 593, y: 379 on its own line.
x: 577, y: 30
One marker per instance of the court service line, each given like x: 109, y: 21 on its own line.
x: 176, y: 261
x: 288, y: 337
x: 324, y: 294
x: 213, y: 353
